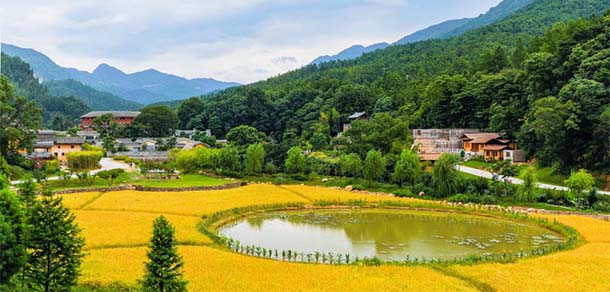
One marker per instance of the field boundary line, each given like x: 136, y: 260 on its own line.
x: 118, y: 246
x: 90, y: 201
x: 144, y: 212
x: 477, y: 284
x: 297, y: 193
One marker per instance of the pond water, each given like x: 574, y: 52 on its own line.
x: 390, y: 235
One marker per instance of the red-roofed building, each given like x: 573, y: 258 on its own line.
x: 121, y: 117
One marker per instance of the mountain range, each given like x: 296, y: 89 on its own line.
x: 145, y: 87
x: 442, y: 30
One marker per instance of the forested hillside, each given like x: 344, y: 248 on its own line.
x: 59, y: 113
x: 95, y: 99
x: 525, y: 76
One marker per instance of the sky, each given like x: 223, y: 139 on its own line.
x: 230, y: 40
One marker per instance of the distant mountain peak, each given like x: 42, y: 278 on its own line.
x: 104, y: 68
x: 352, y: 52
x: 145, y: 87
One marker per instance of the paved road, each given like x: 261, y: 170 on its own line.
x: 514, y: 180
x: 105, y: 163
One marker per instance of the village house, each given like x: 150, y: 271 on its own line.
x: 64, y: 145
x: 355, y: 117
x: 431, y: 143
x: 121, y: 117
x: 491, y: 147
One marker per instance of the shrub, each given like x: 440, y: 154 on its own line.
x: 351, y: 165
x: 374, y: 165
x: 459, y: 198
x: 84, y: 160
x: 295, y: 163
x: 280, y: 180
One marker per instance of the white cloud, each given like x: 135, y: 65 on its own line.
x: 234, y: 40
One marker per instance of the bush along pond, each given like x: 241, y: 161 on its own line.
x: 350, y: 234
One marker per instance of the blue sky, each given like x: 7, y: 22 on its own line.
x: 233, y: 40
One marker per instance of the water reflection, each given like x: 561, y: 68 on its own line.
x: 388, y: 235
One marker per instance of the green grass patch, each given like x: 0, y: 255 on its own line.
x: 478, y: 164
x: 74, y: 183
x: 186, y: 180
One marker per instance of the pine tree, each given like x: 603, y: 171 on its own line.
x: 164, y: 268
x: 12, y: 236
x: 27, y: 193
x: 55, y: 247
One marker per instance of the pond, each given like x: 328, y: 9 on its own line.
x: 390, y: 235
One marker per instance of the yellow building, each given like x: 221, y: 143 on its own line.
x: 64, y: 145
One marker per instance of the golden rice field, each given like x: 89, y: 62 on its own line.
x: 117, y: 226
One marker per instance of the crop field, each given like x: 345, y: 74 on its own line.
x: 117, y: 227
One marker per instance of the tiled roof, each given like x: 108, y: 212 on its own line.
x: 496, y: 147
x: 69, y: 140
x: 116, y: 114
x: 44, y: 144
x: 480, y: 138
x: 357, y: 115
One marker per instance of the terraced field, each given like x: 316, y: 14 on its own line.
x: 117, y: 227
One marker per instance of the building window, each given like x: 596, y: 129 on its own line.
x: 72, y: 146
x: 58, y: 146
x: 63, y: 154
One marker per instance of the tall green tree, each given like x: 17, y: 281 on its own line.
x: 255, y: 159
x: 18, y: 117
x: 407, y: 169
x: 228, y: 158
x: 527, y: 190
x: 351, y: 165
x: 55, y: 247
x: 580, y: 182
x: 295, y: 163
x: 164, y: 267
x: 13, y: 233
x: 157, y: 121
x: 245, y: 135
x: 374, y: 165
x: 28, y: 192
x: 445, y: 177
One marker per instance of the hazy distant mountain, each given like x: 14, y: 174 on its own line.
x: 144, y: 87
x: 435, y: 31
x: 442, y: 30
x: 350, y: 53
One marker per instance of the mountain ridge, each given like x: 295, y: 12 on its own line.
x: 145, y: 87
x: 442, y: 30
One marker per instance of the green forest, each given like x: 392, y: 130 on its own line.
x: 540, y: 76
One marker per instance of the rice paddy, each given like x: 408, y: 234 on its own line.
x: 117, y: 227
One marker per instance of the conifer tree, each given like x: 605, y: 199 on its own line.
x: 27, y: 193
x: 12, y: 235
x: 164, y: 268
x: 55, y: 247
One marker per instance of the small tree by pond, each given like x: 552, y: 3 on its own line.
x: 580, y: 183
x: 351, y: 165
x: 295, y: 163
x: 255, y: 158
x: 445, y: 178
x: 407, y: 169
x: 164, y: 268
x: 527, y: 190
x: 374, y: 165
